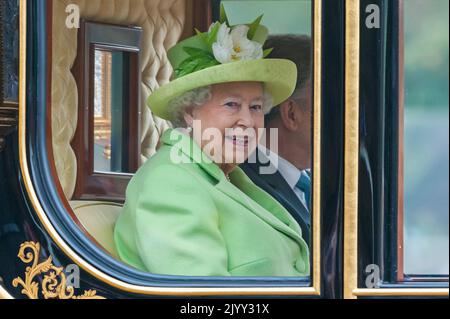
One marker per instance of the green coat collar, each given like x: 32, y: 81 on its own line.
x: 186, y: 145
x: 241, y: 188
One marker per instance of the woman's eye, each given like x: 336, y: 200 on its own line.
x: 256, y: 107
x: 232, y: 104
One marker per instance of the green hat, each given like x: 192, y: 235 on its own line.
x: 224, y: 54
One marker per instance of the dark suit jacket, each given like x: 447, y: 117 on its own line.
x: 276, y: 185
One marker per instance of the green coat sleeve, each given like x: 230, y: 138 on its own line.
x: 177, y: 226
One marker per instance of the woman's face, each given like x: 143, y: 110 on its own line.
x: 230, y: 122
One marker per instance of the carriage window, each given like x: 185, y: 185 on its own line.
x: 106, y: 141
x: 118, y: 69
x: 426, y: 137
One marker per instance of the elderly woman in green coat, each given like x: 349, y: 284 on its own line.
x: 190, y: 210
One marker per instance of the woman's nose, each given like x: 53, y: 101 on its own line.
x: 245, y: 117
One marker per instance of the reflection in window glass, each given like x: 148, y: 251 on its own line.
x: 102, y: 111
x: 426, y: 142
x: 109, y: 112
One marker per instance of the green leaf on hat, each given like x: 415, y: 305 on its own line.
x: 195, y: 51
x: 254, y: 26
x: 267, y: 52
x: 195, y: 63
x: 209, y: 37
x: 202, y: 35
x: 212, y: 37
x: 223, y: 15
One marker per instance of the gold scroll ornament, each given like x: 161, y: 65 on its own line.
x: 54, y: 284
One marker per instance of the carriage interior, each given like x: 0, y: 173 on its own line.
x: 163, y: 23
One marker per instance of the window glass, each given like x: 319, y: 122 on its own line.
x: 109, y: 97
x: 175, y: 195
x: 426, y: 137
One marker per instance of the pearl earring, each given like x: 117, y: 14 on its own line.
x: 189, y: 129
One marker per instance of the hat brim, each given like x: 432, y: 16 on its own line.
x: 278, y: 75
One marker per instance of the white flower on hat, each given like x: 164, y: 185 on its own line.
x: 234, y: 45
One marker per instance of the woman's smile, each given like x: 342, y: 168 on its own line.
x: 240, y: 141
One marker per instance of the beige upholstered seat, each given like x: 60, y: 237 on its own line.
x: 99, y: 218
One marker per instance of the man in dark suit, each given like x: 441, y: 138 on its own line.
x: 284, y: 172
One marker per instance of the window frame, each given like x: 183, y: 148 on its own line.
x: 92, y: 36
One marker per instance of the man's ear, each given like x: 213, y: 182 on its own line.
x: 289, y: 115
